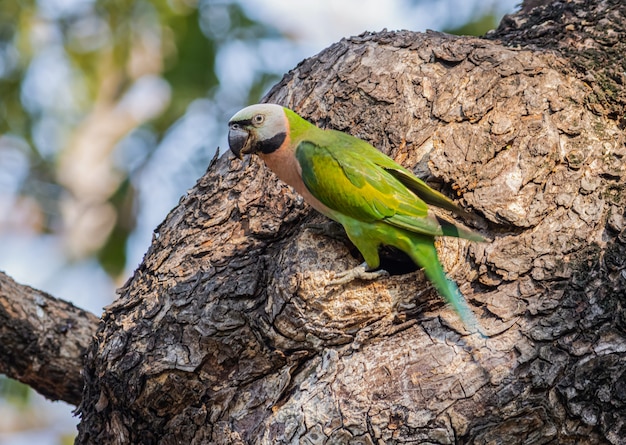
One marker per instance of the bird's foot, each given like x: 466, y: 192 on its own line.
x: 361, y: 272
x: 330, y: 229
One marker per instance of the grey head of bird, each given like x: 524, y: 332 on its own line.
x: 258, y: 128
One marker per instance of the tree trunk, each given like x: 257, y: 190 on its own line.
x: 228, y: 332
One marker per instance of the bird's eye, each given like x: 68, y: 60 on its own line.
x: 258, y: 119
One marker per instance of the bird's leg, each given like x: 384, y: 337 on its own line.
x: 361, y: 272
x: 330, y: 229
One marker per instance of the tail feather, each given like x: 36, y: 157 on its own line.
x: 425, y: 255
x: 451, y: 229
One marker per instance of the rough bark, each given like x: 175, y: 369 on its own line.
x: 589, y: 34
x: 43, y: 340
x: 227, y: 333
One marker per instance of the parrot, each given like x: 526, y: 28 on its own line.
x: 376, y: 200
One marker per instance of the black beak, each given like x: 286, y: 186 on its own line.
x: 238, y: 141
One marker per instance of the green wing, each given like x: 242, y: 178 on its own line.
x: 353, y: 178
x: 408, y: 179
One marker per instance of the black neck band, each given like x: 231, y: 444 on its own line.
x: 271, y: 145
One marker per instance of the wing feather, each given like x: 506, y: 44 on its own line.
x: 353, y: 182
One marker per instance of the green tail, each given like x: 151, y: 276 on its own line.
x: 425, y: 255
x: 451, y: 229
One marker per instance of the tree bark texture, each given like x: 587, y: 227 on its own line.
x: 229, y: 332
x: 43, y: 340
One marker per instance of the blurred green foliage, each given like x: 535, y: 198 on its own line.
x: 14, y: 392
x: 14, y: 55
x: 107, y: 46
x: 478, y: 26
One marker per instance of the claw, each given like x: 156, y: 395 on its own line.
x: 361, y: 272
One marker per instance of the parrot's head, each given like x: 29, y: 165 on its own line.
x: 257, y: 128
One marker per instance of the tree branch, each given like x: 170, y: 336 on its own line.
x: 43, y: 340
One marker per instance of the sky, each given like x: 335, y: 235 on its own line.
x: 310, y: 26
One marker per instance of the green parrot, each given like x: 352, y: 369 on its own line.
x: 377, y: 201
